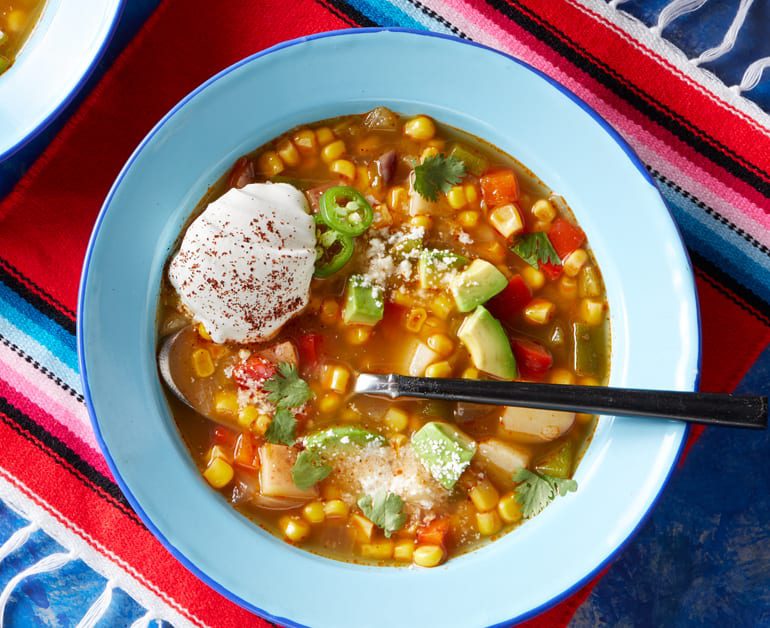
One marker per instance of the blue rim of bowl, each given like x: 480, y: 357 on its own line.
x: 45, y: 122
x: 287, y: 44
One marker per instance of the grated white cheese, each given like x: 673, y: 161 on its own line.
x: 464, y: 237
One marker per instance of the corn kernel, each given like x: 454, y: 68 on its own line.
x: 543, y: 210
x: 270, y: 163
x: 434, y: 325
x: 468, y: 219
x: 330, y: 492
x: 336, y: 509
x: 217, y: 451
x: 294, y: 528
x: 16, y: 20
x: 470, y: 373
x: 345, y: 168
x: 403, y: 550
x: 202, y: 363
x: 226, y: 402
x: 333, y: 151
x: 362, y: 177
x: 358, y: 334
x: 203, y: 333
x: 584, y: 418
x: 533, y: 277
x: 415, y: 319
x: 456, y: 197
x: 247, y: 415
x: 306, y: 142
x: 574, y: 262
x: 508, y: 508
x: 288, y: 152
x: 441, y: 306
x: 484, y: 496
x: 330, y: 310
x: 561, y: 376
x: 363, y: 528
x: 423, y: 220
x: 471, y: 193
x: 441, y: 344
x: 507, y: 220
x: 381, y: 550
x: 540, y: 226
x: 430, y: 151
x: 397, y: 198
x: 396, y: 419
x: 400, y: 297
x: 488, y: 523
x: 370, y: 144
x: 350, y: 415
x: 437, y: 143
x: 336, y: 378
x: 218, y: 473
x: 428, y: 555
x: 324, y: 135
x: 439, y: 369
x: 589, y: 282
x: 330, y: 402
x: 587, y: 380
x: 398, y: 440
x: 314, y: 512
x: 568, y: 287
x: 539, y: 311
x: 262, y: 423
x: 591, y: 311
x: 494, y: 252
x: 420, y: 128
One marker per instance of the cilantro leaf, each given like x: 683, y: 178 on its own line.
x: 536, y: 249
x: 385, y: 510
x: 281, y: 428
x: 309, y: 469
x: 287, y: 389
x: 536, y: 490
x: 437, y: 174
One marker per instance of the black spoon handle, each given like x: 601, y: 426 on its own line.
x: 708, y: 408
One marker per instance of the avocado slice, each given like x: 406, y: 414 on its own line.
x: 364, y: 302
x: 557, y: 462
x: 435, y: 263
x: 486, y: 341
x: 343, y: 435
x: 444, y: 451
x: 477, y: 284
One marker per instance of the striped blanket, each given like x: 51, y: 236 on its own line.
x: 68, y: 538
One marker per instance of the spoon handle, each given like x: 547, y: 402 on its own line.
x: 695, y: 407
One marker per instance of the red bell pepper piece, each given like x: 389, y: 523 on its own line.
x: 507, y: 305
x: 565, y: 237
x: 499, y: 188
x: 309, y: 347
x: 552, y: 271
x: 254, y: 370
x: 532, y: 358
x: 434, y: 533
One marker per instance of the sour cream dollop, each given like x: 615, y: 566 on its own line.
x: 245, y: 264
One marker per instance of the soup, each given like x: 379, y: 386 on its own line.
x: 17, y: 19
x: 377, y: 243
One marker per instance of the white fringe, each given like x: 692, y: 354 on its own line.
x: 98, y: 608
x: 16, y: 540
x: 752, y: 75
x: 52, y: 562
x: 674, y: 10
x: 143, y: 621
x: 730, y: 37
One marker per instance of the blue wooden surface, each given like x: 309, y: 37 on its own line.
x: 703, y: 558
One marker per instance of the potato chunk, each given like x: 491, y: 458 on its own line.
x: 276, y: 462
x: 281, y: 352
x: 543, y: 425
x: 501, y: 460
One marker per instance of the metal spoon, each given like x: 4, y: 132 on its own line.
x: 707, y: 408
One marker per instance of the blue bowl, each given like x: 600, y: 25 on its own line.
x: 654, y: 318
x: 53, y: 64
